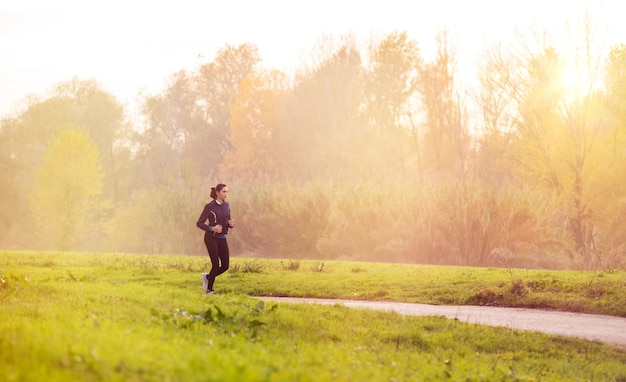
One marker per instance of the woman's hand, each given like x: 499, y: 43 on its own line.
x: 231, y: 222
x: 217, y: 228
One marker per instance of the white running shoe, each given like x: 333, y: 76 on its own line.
x: 210, y: 292
x: 205, y: 283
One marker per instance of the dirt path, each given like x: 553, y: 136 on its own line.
x: 606, y: 329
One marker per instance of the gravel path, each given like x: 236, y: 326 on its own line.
x: 606, y: 329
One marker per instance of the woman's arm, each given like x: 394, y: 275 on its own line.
x: 204, y: 216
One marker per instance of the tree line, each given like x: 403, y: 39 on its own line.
x: 371, y: 153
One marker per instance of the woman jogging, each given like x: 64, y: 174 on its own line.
x: 215, y: 221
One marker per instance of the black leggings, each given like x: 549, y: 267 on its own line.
x: 218, y: 252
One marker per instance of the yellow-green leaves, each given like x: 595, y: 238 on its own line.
x: 66, y: 200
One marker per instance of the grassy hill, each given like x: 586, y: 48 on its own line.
x: 112, y: 317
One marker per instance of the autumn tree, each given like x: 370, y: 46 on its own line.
x: 172, y: 118
x: 610, y: 204
x: 390, y: 84
x: 324, y: 111
x: 66, y: 202
x: 189, y: 121
x: 8, y: 187
x: 217, y: 83
x: 258, y: 121
x: 559, y: 129
x: 391, y: 79
x: 496, y: 114
x: 446, y: 139
x: 616, y: 81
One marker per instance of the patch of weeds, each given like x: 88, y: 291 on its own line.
x: 73, y: 277
x: 257, y: 311
x: 547, y: 285
x: 19, y: 278
x: 485, y: 297
x: 380, y: 294
x: 48, y: 264
x: 12, y: 282
x: 177, y: 265
x: 620, y: 377
x: 158, y: 314
x: 596, y: 291
x: 292, y: 265
x: 97, y: 262
x: 249, y: 321
x: 181, y: 266
x: 147, y: 265
x: 319, y: 267
x: 537, y: 285
x: 518, y: 288
x: 247, y: 267
x: 185, y: 319
x: 357, y: 270
x: 411, y: 340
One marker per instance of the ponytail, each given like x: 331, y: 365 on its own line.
x: 216, y: 189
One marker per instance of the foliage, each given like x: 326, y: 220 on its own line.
x: 217, y: 83
x: 470, y: 224
x: 555, y: 133
x: 323, y: 111
x: 25, y: 138
x: 368, y: 151
x: 282, y: 220
x: 257, y: 125
x: 66, y: 203
x: 450, y: 224
x: 173, y: 121
x: 162, y: 220
x: 446, y: 136
x: 391, y: 79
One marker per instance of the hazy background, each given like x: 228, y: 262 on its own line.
x: 132, y: 46
x: 483, y: 134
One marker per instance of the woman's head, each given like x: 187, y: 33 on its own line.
x: 219, y: 192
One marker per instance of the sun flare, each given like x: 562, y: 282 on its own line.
x: 576, y: 81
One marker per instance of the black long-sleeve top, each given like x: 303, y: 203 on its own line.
x: 215, y: 213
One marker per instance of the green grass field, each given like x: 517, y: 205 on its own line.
x: 111, y: 317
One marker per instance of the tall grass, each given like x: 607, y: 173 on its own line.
x: 451, y: 224
x: 105, y: 317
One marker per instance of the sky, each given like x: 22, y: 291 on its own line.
x: 131, y: 47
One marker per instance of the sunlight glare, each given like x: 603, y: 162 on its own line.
x: 575, y: 82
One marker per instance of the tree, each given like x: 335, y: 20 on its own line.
x: 391, y: 79
x: 25, y: 137
x: 173, y: 117
x: 189, y: 120
x: 446, y: 139
x: 390, y: 84
x: 324, y: 111
x: 66, y: 206
x: 257, y: 125
x: 217, y: 83
x: 162, y: 219
x: 610, y: 204
x: 497, y: 112
x: 85, y: 105
x: 557, y: 143
x: 8, y: 187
